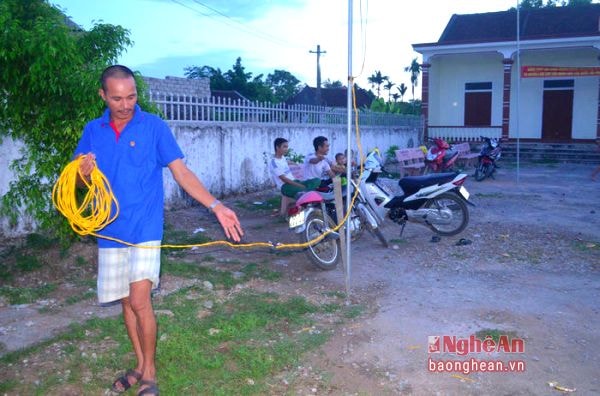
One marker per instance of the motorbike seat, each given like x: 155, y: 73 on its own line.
x: 414, y: 183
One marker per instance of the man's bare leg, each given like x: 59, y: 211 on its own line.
x: 131, y: 325
x: 142, y: 323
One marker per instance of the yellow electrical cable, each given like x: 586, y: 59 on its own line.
x: 93, y: 213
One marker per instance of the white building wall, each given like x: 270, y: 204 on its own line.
x: 530, y: 100
x: 448, y: 75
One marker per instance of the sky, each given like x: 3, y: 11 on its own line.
x: 169, y: 35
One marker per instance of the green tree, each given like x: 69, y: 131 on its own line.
x: 388, y: 87
x: 376, y: 80
x: 278, y: 86
x: 332, y: 84
x: 414, y: 69
x: 402, y: 91
x: 283, y: 84
x: 49, y: 90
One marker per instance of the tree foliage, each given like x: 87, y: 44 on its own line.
x: 376, y: 80
x: 277, y: 87
x: 48, y: 90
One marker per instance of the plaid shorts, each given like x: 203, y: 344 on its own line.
x: 118, y: 267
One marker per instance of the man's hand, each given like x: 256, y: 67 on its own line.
x: 229, y: 222
x: 87, y: 164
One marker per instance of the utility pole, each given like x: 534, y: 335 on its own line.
x: 318, y: 52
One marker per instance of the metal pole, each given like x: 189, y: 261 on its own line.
x: 518, y: 93
x: 349, y: 150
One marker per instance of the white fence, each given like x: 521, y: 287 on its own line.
x: 215, y: 109
x: 464, y: 134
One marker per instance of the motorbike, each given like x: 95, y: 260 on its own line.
x: 438, y: 201
x: 440, y: 157
x: 488, y: 156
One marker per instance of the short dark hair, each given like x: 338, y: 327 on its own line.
x: 319, y: 141
x: 338, y: 155
x: 115, y: 71
x: 278, y: 142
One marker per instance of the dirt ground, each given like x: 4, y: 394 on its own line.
x: 531, y: 271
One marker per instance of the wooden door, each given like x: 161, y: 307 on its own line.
x: 557, y: 116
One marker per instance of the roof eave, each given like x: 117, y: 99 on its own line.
x: 507, y: 48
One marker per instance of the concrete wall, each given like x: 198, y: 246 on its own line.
x: 179, y: 86
x: 10, y: 150
x: 231, y: 158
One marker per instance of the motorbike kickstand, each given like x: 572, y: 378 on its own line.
x: 402, y: 229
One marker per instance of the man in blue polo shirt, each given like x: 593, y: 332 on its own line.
x: 131, y: 147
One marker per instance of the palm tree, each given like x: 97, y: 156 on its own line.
x: 376, y: 80
x: 388, y: 87
x: 414, y: 69
x: 396, y: 96
x: 402, y: 90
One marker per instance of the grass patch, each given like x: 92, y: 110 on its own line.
x: 225, y: 278
x: 40, y: 242
x: 253, y: 270
x: 495, y: 334
x: 459, y: 255
x: 26, y: 262
x: 398, y: 241
x: 353, y: 311
x: 234, y: 351
x: 26, y: 295
x: 586, y: 246
x: 80, y: 297
x: 336, y: 294
x: 80, y: 261
x: 268, y: 204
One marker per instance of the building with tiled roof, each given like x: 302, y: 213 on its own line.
x: 473, y: 85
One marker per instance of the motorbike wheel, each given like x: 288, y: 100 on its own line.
x: 458, y: 209
x: 480, y: 172
x: 326, y: 253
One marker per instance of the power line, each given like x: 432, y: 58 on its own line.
x: 227, y: 20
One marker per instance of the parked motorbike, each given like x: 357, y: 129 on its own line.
x: 440, y: 156
x: 488, y: 156
x: 437, y: 201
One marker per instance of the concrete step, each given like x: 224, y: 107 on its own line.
x: 583, y: 153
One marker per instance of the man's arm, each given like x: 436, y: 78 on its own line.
x: 194, y: 187
x: 316, y: 159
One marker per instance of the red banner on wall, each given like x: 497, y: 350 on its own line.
x: 559, y: 71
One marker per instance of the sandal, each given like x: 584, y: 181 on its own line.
x: 152, y: 388
x: 124, y: 381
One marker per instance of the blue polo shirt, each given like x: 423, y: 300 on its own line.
x: 133, y: 165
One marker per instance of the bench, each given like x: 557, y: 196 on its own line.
x: 298, y: 172
x: 464, y: 153
x: 411, y: 161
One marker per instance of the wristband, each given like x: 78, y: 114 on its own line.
x: 212, y: 206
